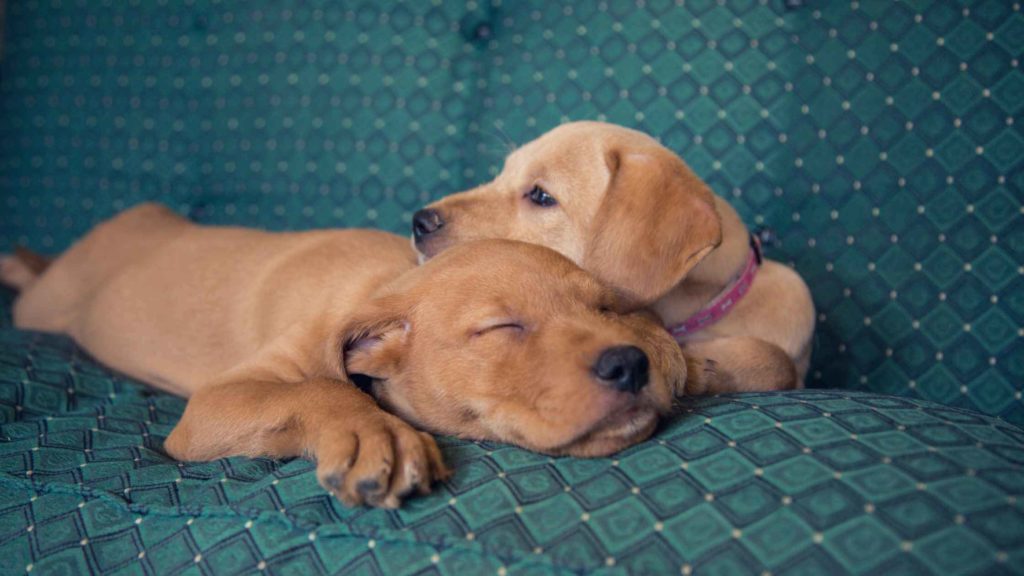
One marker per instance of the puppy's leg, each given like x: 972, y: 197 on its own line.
x: 738, y: 364
x: 363, y: 454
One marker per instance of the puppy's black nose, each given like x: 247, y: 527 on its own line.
x: 426, y: 222
x: 624, y: 368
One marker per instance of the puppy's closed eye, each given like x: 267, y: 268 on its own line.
x: 609, y: 303
x: 504, y: 325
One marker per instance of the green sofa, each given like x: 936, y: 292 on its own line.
x: 876, y: 139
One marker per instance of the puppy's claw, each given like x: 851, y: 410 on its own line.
x: 406, y: 492
x: 378, y: 463
x: 334, y: 481
x: 368, y: 489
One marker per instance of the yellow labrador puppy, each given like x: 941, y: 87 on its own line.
x: 631, y: 212
x: 266, y: 332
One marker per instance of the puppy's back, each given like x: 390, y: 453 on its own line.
x: 175, y: 304
x: 53, y: 302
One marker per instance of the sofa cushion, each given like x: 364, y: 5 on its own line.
x: 816, y: 481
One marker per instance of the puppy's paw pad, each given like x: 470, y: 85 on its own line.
x: 369, y: 489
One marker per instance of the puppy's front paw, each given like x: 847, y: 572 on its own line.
x: 377, y: 461
x: 702, y: 376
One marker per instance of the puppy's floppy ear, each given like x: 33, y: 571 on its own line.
x: 657, y: 221
x: 373, y: 343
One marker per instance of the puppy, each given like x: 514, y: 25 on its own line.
x: 266, y: 333
x: 630, y: 212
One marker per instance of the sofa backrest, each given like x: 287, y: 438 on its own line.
x: 274, y: 114
x: 876, y: 139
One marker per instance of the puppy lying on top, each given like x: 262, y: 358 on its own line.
x: 266, y: 333
x: 630, y: 212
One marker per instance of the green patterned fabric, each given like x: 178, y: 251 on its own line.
x: 282, y: 115
x: 877, y: 139
x: 814, y: 482
x: 907, y: 180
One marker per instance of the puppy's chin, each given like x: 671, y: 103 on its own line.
x: 421, y: 256
x: 616, y: 433
x: 428, y: 248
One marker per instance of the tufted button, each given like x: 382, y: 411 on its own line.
x: 475, y: 28
x: 198, y: 211
x: 482, y: 31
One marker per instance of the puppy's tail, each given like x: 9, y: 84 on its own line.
x: 21, y: 269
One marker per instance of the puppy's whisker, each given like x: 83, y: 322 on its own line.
x: 508, y: 145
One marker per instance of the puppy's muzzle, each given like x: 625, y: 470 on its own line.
x: 426, y: 222
x: 623, y: 368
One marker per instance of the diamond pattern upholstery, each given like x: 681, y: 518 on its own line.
x: 906, y: 135
x: 287, y: 115
x: 863, y: 135
x: 879, y: 141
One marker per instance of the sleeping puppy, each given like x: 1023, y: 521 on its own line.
x: 630, y: 212
x: 266, y: 333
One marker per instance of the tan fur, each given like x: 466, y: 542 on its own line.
x: 20, y: 269
x: 683, y: 226
x: 651, y: 229
x: 264, y: 331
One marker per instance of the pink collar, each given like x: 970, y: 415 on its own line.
x: 720, y: 305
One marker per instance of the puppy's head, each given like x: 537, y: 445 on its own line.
x: 512, y: 342
x: 611, y: 199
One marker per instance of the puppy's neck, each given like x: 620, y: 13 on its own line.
x: 713, y: 273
